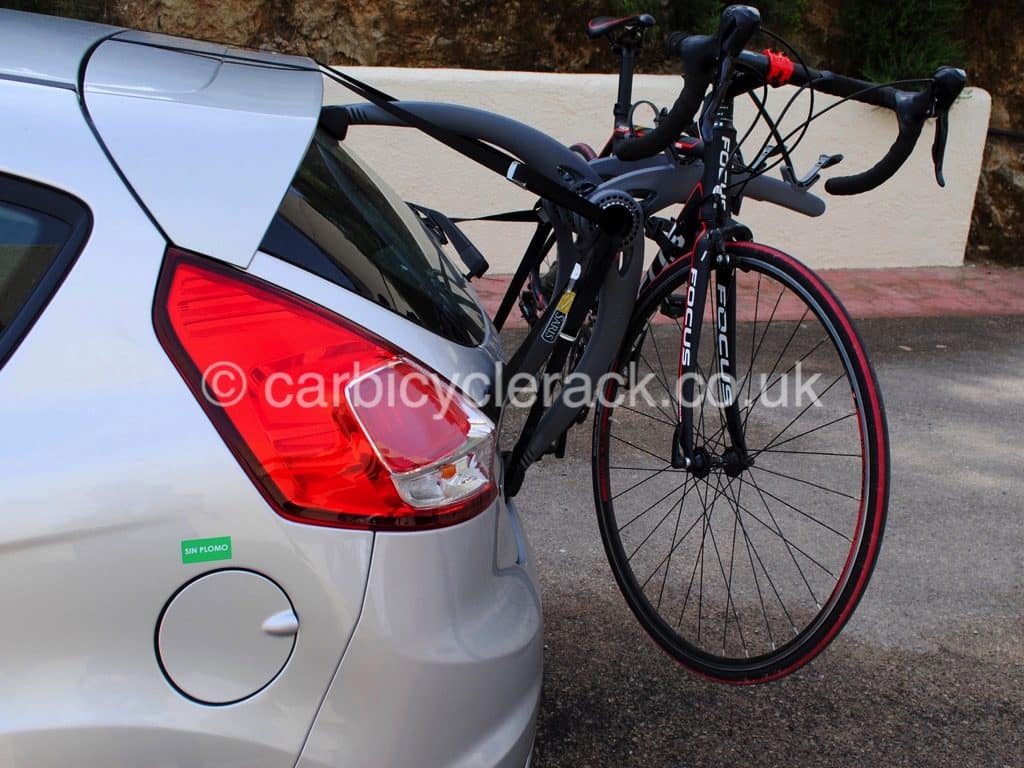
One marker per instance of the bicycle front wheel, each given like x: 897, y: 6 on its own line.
x: 744, y: 573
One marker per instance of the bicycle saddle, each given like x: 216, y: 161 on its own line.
x: 604, y: 25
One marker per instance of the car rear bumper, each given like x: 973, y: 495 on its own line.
x: 444, y: 667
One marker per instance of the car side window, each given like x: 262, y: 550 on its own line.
x: 41, y: 233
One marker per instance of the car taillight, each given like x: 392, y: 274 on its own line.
x: 333, y: 425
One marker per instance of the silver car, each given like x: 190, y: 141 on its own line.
x: 249, y: 519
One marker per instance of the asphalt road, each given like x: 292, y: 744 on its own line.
x: 930, y: 670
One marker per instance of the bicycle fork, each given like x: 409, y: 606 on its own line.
x: 709, y: 254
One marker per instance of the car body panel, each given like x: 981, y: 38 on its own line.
x: 114, y: 465
x: 111, y: 464
x: 409, y: 691
x: 215, y: 49
x: 208, y: 144
x: 37, y: 50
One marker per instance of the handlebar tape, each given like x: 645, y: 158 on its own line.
x: 858, y: 90
x: 825, y: 81
x: 912, y: 110
x: 680, y: 116
x: 699, y: 53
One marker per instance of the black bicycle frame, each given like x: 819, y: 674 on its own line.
x: 664, y: 182
x: 709, y: 232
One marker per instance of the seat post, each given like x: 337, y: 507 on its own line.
x: 627, y: 56
x: 626, y: 35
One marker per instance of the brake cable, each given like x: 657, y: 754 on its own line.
x: 830, y: 107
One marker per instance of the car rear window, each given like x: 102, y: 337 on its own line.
x: 339, y: 221
x: 40, y: 234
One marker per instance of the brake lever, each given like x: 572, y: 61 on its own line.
x: 947, y: 83
x: 808, y: 181
x: 939, y: 146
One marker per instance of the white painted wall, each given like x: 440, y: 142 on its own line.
x: 908, y: 222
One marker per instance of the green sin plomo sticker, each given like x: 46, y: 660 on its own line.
x: 205, y: 550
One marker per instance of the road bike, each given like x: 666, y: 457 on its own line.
x: 740, y: 451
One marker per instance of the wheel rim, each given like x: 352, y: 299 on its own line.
x: 738, y: 574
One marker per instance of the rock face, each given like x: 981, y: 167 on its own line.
x: 536, y: 35
x: 997, y: 64
x: 477, y: 34
x: 241, y: 22
x: 997, y: 226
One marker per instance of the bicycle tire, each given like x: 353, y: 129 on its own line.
x: 854, y: 529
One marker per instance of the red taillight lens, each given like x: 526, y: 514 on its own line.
x: 288, y: 386
x: 420, y: 430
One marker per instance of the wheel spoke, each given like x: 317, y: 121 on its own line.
x: 698, y: 560
x: 778, y: 360
x: 753, y: 570
x: 652, y: 506
x: 805, y: 482
x: 764, y: 333
x: 703, y: 539
x: 667, y: 560
x: 636, y: 447
x: 812, y: 453
x: 810, y: 517
x: 766, y: 387
x: 729, y: 604
x: 790, y: 545
x: 649, y: 469
x: 808, y: 432
x: 728, y: 583
x: 771, y: 443
x: 764, y: 569
x: 661, y: 364
x: 647, y: 415
x: 641, y: 482
x: 675, y: 546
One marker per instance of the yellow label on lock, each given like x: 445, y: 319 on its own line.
x: 565, y: 303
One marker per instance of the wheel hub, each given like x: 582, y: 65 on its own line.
x: 733, y: 464
x: 730, y: 462
x: 701, y: 464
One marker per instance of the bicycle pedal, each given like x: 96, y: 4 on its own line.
x: 674, y: 306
